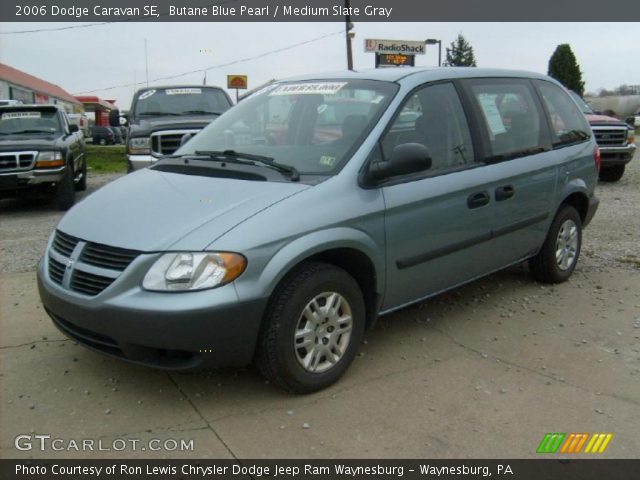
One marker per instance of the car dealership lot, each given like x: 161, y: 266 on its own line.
x: 483, y: 371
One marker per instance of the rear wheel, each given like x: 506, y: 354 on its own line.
x: 102, y: 141
x: 313, y: 326
x: 611, y: 174
x: 65, y: 193
x: 559, y: 254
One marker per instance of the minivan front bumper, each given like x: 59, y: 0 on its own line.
x: 163, y: 334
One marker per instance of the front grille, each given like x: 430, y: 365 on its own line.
x: 56, y: 271
x: 107, y: 257
x: 64, y: 244
x: 17, y: 160
x: 89, y: 283
x: 167, y: 142
x: 610, y: 137
x: 93, y: 266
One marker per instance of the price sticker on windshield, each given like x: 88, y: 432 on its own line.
x: 315, y: 88
x: 10, y: 115
x: 183, y: 91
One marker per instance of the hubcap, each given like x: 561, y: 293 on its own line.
x: 323, y: 332
x: 567, y: 245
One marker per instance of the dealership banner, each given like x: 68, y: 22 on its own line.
x: 547, y: 469
x: 317, y: 11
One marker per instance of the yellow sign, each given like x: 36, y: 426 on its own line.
x: 237, y: 81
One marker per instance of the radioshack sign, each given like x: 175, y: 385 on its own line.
x: 405, y: 47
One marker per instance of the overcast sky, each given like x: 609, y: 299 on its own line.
x: 84, y: 60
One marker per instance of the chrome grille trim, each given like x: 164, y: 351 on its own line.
x: 166, y: 142
x: 17, y: 161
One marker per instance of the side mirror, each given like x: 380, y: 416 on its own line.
x: 185, y: 138
x: 405, y: 159
x: 73, y: 128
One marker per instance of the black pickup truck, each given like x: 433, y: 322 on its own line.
x: 41, y: 151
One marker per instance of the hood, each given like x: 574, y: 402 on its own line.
x: 155, y: 211
x: 599, y: 119
x: 27, y: 142
x: 153, y: 124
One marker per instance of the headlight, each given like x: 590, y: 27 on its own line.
x: 140, y: 145
x: 49, y: 159
x: 187, y: 271
x: 631, y: 136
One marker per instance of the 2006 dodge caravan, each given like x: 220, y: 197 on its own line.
x: 282, y: 230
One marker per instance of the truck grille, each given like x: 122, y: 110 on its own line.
x: 166, y: 142
x: 610, y: 136
x: 17, y: 160
x: 93, y: 266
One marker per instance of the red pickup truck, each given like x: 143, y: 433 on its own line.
x: 615, y: 139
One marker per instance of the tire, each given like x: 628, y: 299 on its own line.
x: 102, y: 141
x: 81, y: 186
x: 281, y: 354
x: 611, y: 174
x: 558, y: 257
x: 65, y: 194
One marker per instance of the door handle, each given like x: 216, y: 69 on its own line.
x: 479, y: 199
x: 504, y: 192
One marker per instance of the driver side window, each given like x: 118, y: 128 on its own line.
x: 433, y: 116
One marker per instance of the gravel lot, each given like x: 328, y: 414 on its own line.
x: 483, y: 371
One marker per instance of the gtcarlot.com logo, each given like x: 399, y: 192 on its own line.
x: 47, y: 442
x: 574, y: 443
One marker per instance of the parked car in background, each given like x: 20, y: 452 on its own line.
x: 41, y: 151
x: 161, y: 116
x: 117, y: 135
x: 82, y: 122
x: 615, y: 139
x: 277, y: 236
x: 102, y: 135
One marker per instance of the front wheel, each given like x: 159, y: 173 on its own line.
x: 312, y: 328
x: 65, y: 193
x: 81, y: 186
x: 559, y: 254
x: 611, y: 174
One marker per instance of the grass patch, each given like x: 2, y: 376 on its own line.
x: 106, y: 159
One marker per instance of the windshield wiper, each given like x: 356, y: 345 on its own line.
x: 158, y: 114
x: 28, y: 131
x: 200, y: 112
x: 232, y: 155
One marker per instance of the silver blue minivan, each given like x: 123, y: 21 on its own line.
x: 280, y: 232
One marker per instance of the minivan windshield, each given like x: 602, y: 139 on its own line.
x: 312, y: 126
x: 26, y: 122
x: 180, y: 101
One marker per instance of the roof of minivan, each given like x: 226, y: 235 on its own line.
x: 427, y: 73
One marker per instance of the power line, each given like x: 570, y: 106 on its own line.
x: 234, y: 62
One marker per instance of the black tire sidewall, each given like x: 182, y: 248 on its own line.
x: 327, y: 278
x: 65, y: 192
x: 612, y: 173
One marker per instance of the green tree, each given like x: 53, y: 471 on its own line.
x: 564, y: 67
x: 460, y: 54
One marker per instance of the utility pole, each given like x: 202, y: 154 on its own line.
x: 347, y: 32
x: 433, y: 41
x: 146, y: 61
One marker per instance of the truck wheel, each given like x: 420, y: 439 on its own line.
x: 312, y: 328
x: 81, y: 186
x: 559, y: 254
x: 611, y: 174
x: 65, y: 195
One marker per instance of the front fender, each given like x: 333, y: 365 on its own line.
x: 313, y: 243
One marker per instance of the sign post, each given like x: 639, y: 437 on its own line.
x: 238, y: 82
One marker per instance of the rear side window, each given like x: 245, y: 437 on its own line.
x: 568, y: 123
x: 433, y: 116
x: 510, y: 115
